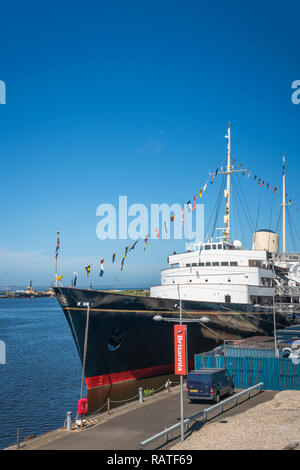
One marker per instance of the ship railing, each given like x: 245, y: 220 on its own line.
x: 187, y: 421
x: 288, y: 257
x: 284, y: 293
x: 287, y: 291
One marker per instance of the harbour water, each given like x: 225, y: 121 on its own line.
x: 41, y: 378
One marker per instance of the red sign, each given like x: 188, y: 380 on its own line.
x: 82, y: 406
x: 180, y: 349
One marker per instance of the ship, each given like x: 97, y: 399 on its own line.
x: 221, y: 291
x: 28, y: 293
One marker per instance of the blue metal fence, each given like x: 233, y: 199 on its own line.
x: 241, y: 352
x: 276, y: 373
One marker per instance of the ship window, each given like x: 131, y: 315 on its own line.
x: 224, y: 263
x: 233, y: 263
x: 207, y: 247
x: 214, y: 247
x: 194, y: 264
x: 220, y: 247
x: 216, y: 263
x: 266, y: 301
x: 201, y: 264
x: 266, y: 281
x: 208, y: 263
x: 254, y: 263
x: 116, y: 339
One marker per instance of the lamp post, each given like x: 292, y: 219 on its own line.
x: 159, y: 318
x: 274, y: 321
x: 181, y: 377
x: 276, y: 351
x: 202, y: 322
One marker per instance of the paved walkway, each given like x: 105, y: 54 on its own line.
x: 124, y: 429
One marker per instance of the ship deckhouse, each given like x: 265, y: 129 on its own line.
x: 218, y: 272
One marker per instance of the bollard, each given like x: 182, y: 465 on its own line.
x: 169, y: 385
x: 141, y: 395
x: 69, y: 420
x: 108, y: 405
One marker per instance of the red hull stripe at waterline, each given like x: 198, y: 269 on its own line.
x: 118, y: 377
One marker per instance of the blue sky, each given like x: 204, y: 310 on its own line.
x: 109, y: 98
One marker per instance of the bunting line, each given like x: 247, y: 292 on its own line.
x: 246, y: 172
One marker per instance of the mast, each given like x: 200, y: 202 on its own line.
x: 283, y: 207
x: 56, y: 255
x: 227, y: 171
x: 227, y: 190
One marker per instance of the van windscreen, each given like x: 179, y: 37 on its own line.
x: 201, y: 378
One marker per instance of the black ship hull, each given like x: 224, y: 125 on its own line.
x: 124, y: 342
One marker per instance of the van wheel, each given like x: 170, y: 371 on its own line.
x: 218, y: 398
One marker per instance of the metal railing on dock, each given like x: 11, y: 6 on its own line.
x: 113, y: 406
x: 205, y: 412
x: 141, y: 396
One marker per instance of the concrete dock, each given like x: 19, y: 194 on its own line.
x: 129, y: 425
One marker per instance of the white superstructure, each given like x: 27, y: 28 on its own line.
x: 218, y: 272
